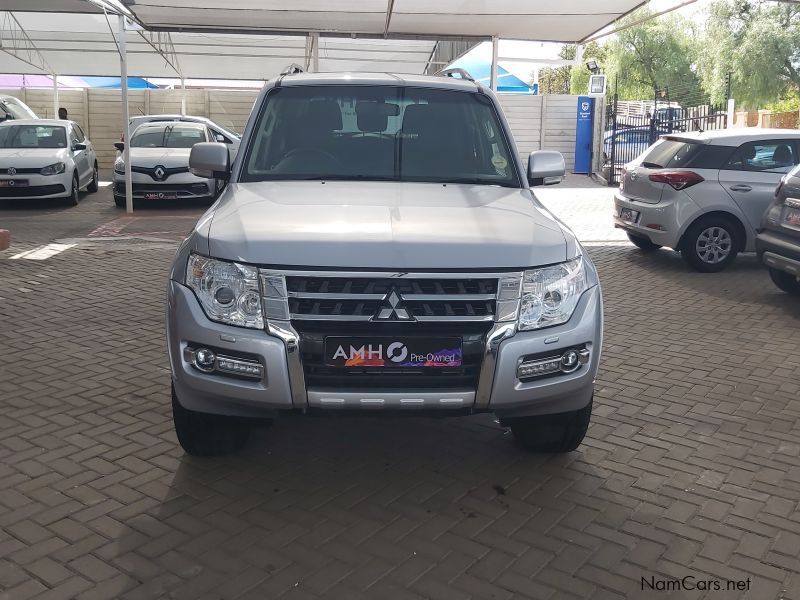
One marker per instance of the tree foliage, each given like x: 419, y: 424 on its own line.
x: 758, y: 43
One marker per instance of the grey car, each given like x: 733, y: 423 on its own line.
x: 377, y: 250
x: 704, y: 193
x: 778, y: 241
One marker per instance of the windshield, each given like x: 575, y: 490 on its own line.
x: 379, y: 133
x: 167, y: 136
x: 33, y: 136
x: 17, y: 109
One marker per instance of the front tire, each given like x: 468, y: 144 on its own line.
x: 203, y: 434
x: 785, y: 281
x: 119, y: 201
x: 93, y: 184
x: 711, y: 244
x: 558, y: 433
x: 643, y: 243
x: 75, y: 193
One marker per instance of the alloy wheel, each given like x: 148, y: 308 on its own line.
x: 714, y: 245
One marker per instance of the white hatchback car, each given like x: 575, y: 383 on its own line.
x: 43, y: 158
x: 704, y: 193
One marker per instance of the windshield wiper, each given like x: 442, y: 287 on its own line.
x: 340, y: 178
x: 474, y: 181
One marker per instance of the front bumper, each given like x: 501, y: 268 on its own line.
x: 39, y: 186
x: 283, y: 388
x: 184, y: 185
x: 779, y: 252
x: 662, y: 213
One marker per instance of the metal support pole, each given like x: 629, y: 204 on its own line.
x: 493, y: 78
x: 55, y: 96
x: 315, y: 52
x: 126, y: 153
x: 183, y: 96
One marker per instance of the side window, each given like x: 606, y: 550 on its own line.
x: 79, y: 133
x: 775, y: 156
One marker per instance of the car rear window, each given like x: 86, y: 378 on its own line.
x: 673, y: 154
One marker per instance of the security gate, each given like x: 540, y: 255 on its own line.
x: 634, y: 125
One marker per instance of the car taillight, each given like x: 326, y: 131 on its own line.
x: 679, y: 180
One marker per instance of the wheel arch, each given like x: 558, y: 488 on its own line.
x: 741, y: 230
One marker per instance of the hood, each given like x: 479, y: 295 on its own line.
x: 384, y: 225
x: 31, y: 157
x: 166, y: 157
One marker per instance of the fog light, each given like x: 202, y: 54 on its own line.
x: 569, y: 361
x: 204, y: 359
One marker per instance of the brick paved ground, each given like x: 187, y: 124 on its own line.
x: 691, y: 465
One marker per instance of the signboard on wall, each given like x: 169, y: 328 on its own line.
x: 597, y: 85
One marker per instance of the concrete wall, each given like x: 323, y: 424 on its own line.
x: 537, y: 122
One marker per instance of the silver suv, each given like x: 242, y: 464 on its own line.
x: 377, y: 249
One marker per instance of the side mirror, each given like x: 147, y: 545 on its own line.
x: 210, y: 160
x: 120, y: 146
x: 220, y: 138
x: 77, y: 146
x: 546, y: 167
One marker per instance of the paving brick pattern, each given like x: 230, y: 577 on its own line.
x: 691, y: 465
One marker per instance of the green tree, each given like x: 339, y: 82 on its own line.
x: 758, y: 43
x: 579, y: 76
x: 556, y: 80
x: 655, y: 54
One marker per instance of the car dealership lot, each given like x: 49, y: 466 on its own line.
x: 691, y: 466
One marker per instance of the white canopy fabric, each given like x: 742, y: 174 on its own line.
x: 540, y: 20
x: 83, y: 44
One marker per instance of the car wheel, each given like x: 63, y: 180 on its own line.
x: 711, y: 244
x: 203, y: 434
x: 119, y: 201
x: 643, y: 243
x: 562, y: 432
x: 785, y: 281
x: 75, y: 194
x: 93, y: 184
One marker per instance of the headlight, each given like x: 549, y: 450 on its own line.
x: 550, y: 294
x: 227, y: 291
x: 53, y: 169
x: 119, y: 167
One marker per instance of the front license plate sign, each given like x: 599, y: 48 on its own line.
x: 792, y: 217
x: 628, y: 215
x: 358, y: 352
x: 10, y: 183
x: 160, y: 195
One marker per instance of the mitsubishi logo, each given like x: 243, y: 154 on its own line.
x: 12, y: 171
x: 159, y: 172
x: 392, y: 308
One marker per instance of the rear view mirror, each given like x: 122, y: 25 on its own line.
x: 78, y: 146
x: 210, y: 160
x: 119, y: 146
x: 546, y: 167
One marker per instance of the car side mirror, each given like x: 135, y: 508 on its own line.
x: 210, y: 160
x: 220, y: 138
x: 77, y: 146
x: 120, y: 146
x: 546, y: 167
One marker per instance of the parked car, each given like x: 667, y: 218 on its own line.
x: 377, y: 250
x: 778, y: 241
x: 703, y: 193
x: 220, y: 133
x: 627, y: 144
x: 43, y: 158
x: 160, y: 163
x: 12, y: 108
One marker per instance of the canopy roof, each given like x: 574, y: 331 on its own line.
x: 256, y: 39
x: 541, y: 20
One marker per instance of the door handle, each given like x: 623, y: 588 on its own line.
x: 741, y: 187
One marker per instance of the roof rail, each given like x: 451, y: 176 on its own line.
x: 462, y: 74
x: 293, y: 69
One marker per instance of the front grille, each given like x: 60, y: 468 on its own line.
x: 319, y: 375
x: 32, y: 190
x: 151, y: 171
x: 21, y: 171
x: 362, y: 298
